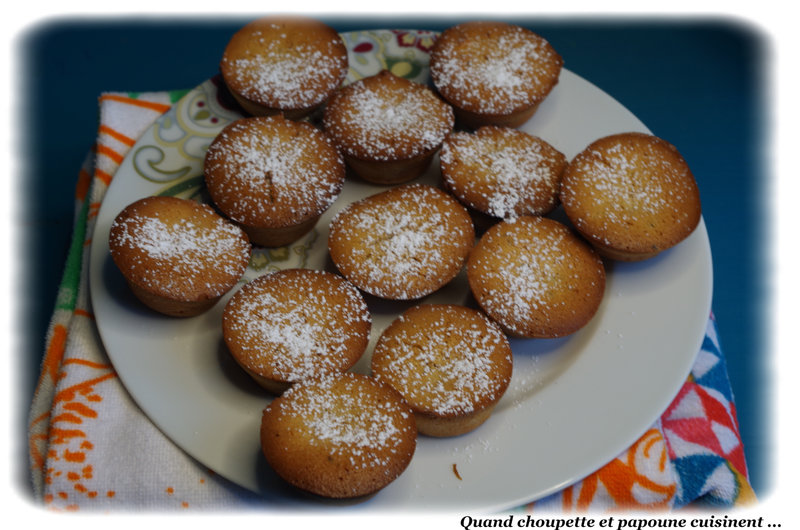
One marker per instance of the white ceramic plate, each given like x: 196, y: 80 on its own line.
x: 573, y: 404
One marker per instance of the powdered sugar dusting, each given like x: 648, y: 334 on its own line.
x: 398, y: 244
x: 495, y: 76
x: 448, y: 363
x: 290, y: 75
x: 627, y: 185
x: 618, y: 173
x: 304, y: 333
x: 271, y: 169
x: 190, y: 253
x: 345, y: 414
x: 399, y: 119
x: 502, y: 172
x: 526, y: 280
x: 530, y: 273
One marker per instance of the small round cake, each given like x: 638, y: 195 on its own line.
x: 402, y: 243
x: 388, y: 127
x: 340, y: 436
x: 273, y: 176
x: 502, y: 172
x: 493, y: 73
x: 177, y: 255
x: 450, y: 363
x: 293, y: 324
x: 631, y: 195
x: 290, y: 65
x: 536, y: 278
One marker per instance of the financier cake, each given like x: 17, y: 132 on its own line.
x: 284, y: 64
x: 402, y: 243
x: 290, y: 325
x: 340, y: 436
x: 177, y: 255
x: 388, y: 127
x: 631, y: 195
x: 536, y: 278
x: 273, y: 176
x: 493, y: 73
x: 450, y: 363
x: 502, y: 172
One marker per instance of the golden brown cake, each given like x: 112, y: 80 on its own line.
x: 284, y: 64
x: 293, y: 324
x: 340, y: 436
x: 502, y: 172
x: 403, y: 243
x: 178, y: 256
x: 450, y: 363
x: 631, y: 195
x: 273, y: 176
x: 388, y: 127
x: 536, y: 278
x: 493, y: 73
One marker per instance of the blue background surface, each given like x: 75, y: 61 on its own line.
x: 698, y: 83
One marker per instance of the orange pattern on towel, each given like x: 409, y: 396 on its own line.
x: 152, y: 105
x: 55, y: 351
x: 113, y: 133
x: 103, y: 176
x: 640, y: 478
x: 110, y: 153
x: 69, y: 393
x: 73, y: 406
x: 82, y: 187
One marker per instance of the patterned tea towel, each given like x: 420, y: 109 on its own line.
x: 92, y: 448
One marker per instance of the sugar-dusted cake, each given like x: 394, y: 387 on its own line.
x: 402, y: 243
x: 282, y: 64
x: 289, y: 325
x: 632, y: 195
x: 493, y: 73
x: 339, y: 436
x: 536, y: 278
x: 273, y: 176
x: 388, y: 127
x: 502, y: 172
x: 450, y: 363
x: 177, y: 255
